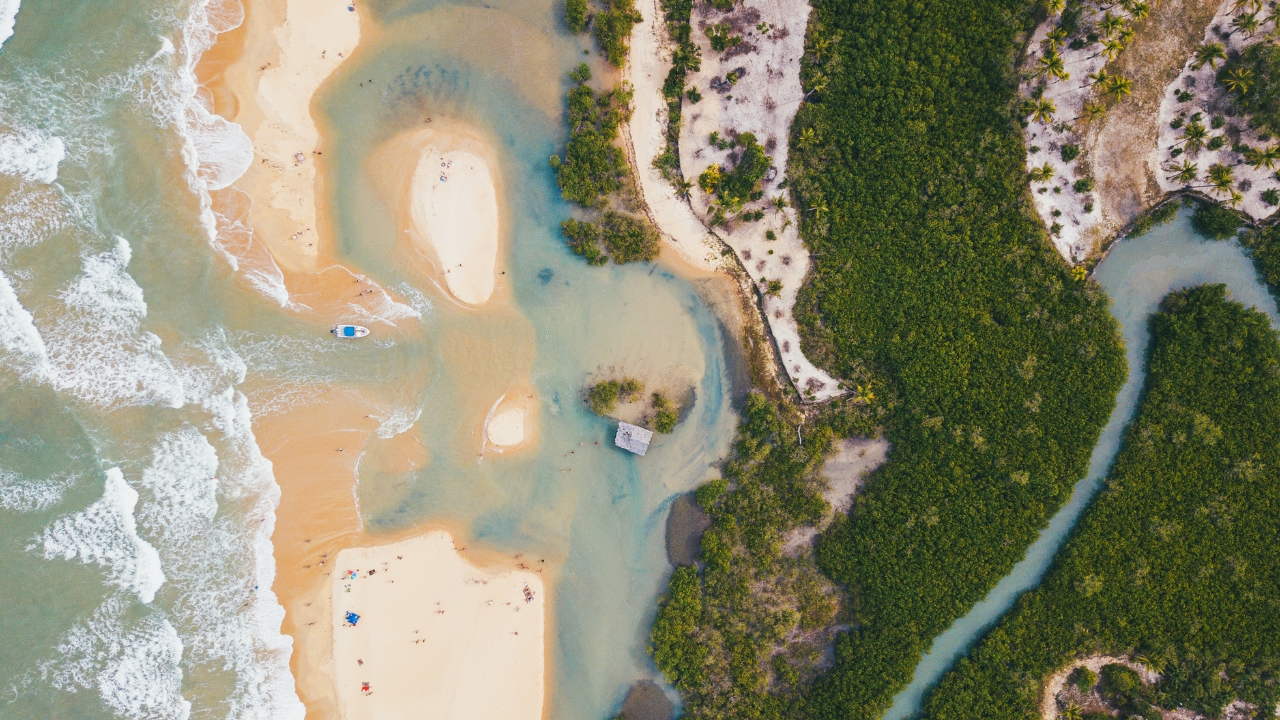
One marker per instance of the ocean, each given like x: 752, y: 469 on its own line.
x: 146, y: 336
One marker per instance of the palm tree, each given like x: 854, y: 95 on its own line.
x: 1238, y: 80
x: 818, y: 208
x: 1110, y: 24
x: 864, y: 394
x: 806, y: 138
x: 1119, y: 86
x: 1221, y: 177
x: 1056, y: 37
x: 683, y: 187
x: 1099, y: 77
x: 1194, y: 136
x: 1126, y: 35
x: 1042, y: 174
x: 1185, y: 173
x: 1072, y: 712
x: 1112, y: 49
x: 779, y: 203
x: 1265, y: 157
x: 1093, y: 111
x: 1234, y: 198
x: 1043, y: 111
x: 1209, y: 53
x: 1051, y: 64
x: 1139, y: 10
x: 1055, y: 6
x: 1247, y: 23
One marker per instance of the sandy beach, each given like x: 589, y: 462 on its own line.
x: 435, y: 637
x: 512, y: 421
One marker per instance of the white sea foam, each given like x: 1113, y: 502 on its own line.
x: 416, y: 299
x: 107, y: 534
x: 401, y: 420
x: 97, y: 350
x: 23, y: 495
x: 135, y: 666
x: 182, y: 480
x: 18, y: 334
x: 31, y: 155
x: 8, y: 17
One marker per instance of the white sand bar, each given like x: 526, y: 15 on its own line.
x: 506, y: 428
x: 455, y: 212
x: 437, y: 639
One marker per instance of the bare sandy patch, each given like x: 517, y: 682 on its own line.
x: 435, y: 636
x: 1057, y: 682
x: 845, y: 470
x: 511, y: 422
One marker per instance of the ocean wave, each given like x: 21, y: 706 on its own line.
x: 8, y: 18
x: 18, y: 334
x: 23, y: 495
x: 417, y: 300
x: 107, y: 534
x: 136, y: 667
x: 31, y: 154
x: 97, y: 350
x: 400, y: 420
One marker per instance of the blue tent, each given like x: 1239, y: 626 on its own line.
x: 352, y: 618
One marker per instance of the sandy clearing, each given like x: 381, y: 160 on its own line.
x: 507, y: 427
x: 845, y: 470
x: 1057, y: 681
x: 436, y: 637
x: 1212, y: 100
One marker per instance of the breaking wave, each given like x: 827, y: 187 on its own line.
x: 30, y: 154
x: 8, y: 18
x: 107, y: 534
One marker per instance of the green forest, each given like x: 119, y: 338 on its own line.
x: 994, y: 367
x: 933, y: 274
x: 1175, y: 561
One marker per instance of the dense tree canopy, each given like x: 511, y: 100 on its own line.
x: 1176, y: 559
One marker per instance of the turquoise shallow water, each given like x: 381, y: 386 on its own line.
x: 1137, y: 274
x: 135, y: 360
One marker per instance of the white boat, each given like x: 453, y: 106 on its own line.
x: 350, y: 331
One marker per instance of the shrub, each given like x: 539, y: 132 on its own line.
x: 575, y: 15
x: 583, y: 240
x: 1083, y: 185
x: 1216, y: 142
x: 666, y: 414
x: 1217, y: 122
x: 693, y: 95
x: 613, y: 28
x: 1215, y: 221
x: 593, y: 167
x: 1084, y: 679
x: 739, y: 184
x: 628, y: 238
x: 708, y: 494
x: 602, y: 397
x: 1070, y: 152
x: 719, y: 35
x: 1271, y: 197
x: 674, y: 645
x: 629, y: 389
x: 1158, y: 215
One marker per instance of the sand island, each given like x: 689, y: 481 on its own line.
x: 435, y: 637
x: 442, y: 183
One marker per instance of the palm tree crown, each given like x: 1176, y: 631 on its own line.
x: 1194, y: 136
x: 1209, y: 53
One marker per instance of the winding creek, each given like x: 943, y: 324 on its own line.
x: 1136, y: 274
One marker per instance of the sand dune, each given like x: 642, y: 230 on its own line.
x: 436, y: 638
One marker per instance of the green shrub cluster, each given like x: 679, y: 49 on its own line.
x: 576, y: 15
x: 613, y: 28
x: 1158, y: 215
x: 603, y: 397
x: 625, y: 239
x: 593, y: 167
x: 1264, y: 246
x: 1215, y: 221
x: 933, y: 275
x: 1175, y: 561
x: 740, y: 185
x: 1260, y: 98
x: 665, y: 414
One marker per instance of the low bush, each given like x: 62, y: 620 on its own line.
x: 1214, y: 221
